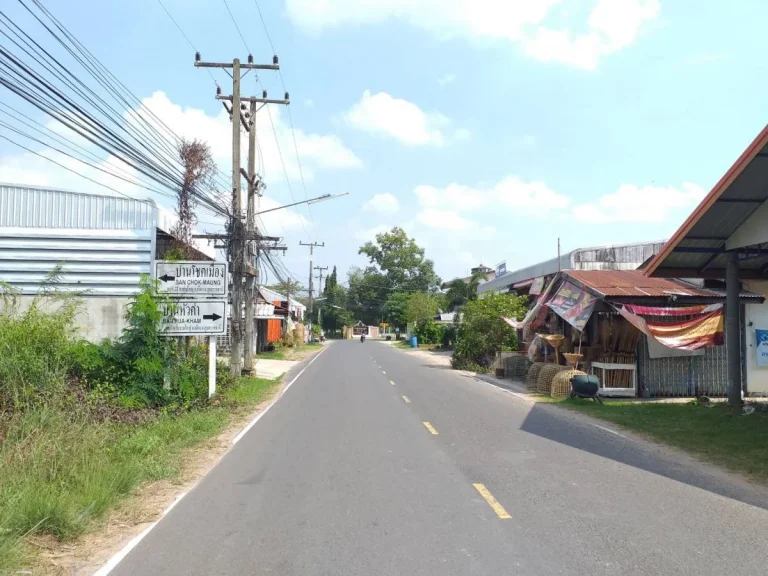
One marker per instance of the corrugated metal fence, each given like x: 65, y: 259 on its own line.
x: 103, y: 243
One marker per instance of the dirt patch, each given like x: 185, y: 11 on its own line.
x: 85, y: 555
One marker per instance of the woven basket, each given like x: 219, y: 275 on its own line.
x: 561, y: 383
x: 533, y: 375
x: 547, y: 373
x: 517, y: 367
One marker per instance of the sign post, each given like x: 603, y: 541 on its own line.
x: 211, y: 365
x: 199, y: 306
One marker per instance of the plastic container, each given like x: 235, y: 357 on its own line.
x: 414, y: 342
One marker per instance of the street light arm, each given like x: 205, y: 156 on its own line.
x: 310, y: 201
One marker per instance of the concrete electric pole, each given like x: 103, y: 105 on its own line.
x: 320, y: 291
x: 311, y: 246
x: 239, y: 251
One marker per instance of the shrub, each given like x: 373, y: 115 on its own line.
x: 428, y: 331
x: 35, y: 345
x: 482, y: 333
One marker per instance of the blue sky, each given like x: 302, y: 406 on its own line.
x: 485, y: 128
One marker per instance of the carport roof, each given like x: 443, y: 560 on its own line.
x: 698, y: 248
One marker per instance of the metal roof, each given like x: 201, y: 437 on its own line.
x: 636, y: 253
x: 632, y: 283
x: 635, y: 284
x: 698, y: 248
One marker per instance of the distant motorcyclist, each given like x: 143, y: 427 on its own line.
x: 362, y: 337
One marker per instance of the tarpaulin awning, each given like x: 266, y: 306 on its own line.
x: 573, y: 305
x: 703, y: 330
x: 533, y: 312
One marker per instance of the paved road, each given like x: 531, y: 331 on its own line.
x: 342, y: 477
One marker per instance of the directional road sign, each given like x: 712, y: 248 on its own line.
x: 191, y: 278
x: 194, y: 318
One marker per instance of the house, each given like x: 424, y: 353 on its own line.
x: 104, y: 244
x: 726, y: 238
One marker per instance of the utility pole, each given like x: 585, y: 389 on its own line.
x: 311, y: 246
x: 251, y: 280
x: 320, y: 291
x: 237, y: 238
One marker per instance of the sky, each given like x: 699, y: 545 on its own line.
x: 485, y: 128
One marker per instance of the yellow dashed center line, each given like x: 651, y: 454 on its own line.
x: 430, y: 428
x: 383, y: 372
x: 406, y: 400
x: 492, y: 502
x: 392, y: 382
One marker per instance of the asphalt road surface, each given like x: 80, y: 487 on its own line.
x: 377, y: 463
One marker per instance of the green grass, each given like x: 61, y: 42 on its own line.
x: 286, y: 353
x: 719, y: 434
x: 60, y: 471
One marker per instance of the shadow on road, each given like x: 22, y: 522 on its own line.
x: 551, y: 423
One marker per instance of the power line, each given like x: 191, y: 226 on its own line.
x: 236, y: 26
x: 290, y: 118
x: 185, y: 36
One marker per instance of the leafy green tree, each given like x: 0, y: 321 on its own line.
x: 395, y: 309
x: 482, y: 333
x: 422, y: 305
x: 366, y: 294
x: 401, y: 262
x: 460, y: 292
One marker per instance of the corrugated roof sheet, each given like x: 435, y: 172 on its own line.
x: 615, y: 283
x: 697, y: 248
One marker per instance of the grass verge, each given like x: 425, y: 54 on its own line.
x: 60, y: 471
x: 289, y: 353
x: 718, y: 434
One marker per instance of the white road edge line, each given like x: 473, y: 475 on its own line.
x: 609, y: 430
x: 252, y: 423
x: 119, y: 556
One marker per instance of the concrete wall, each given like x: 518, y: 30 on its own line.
x: 100, y: 317
x: 755, y: 317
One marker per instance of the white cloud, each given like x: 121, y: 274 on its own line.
x: 446, y: 79
x: 366, y: 234
x: 632, y: 203
x: 382, y: 203
x: 511, y: 193
x: 384, y: 115
x: 444, y: 219
x: 611, y: 25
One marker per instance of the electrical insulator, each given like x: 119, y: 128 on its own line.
x: 250, y: 58
x: 264, y: 94
x: 274, y: 60
x: 287, y: 97
x: 218, y: 90
x: 197, y: 56
x: 243, y: 107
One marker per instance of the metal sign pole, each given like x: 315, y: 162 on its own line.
x: 211, y: 366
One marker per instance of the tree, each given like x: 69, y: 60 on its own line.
x: 366, y: 294
x: 288, y: 287
x: 460, y: 292
x: 330, y: 282
x: 482, y: 333
x: 421, y: 306
x: 395, y: 309
x: 199, y: 170
x: 401, y: 262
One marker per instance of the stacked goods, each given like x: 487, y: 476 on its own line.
x: 546, y: 375
x: 517, y: 367
x: 533, y: 375
x: 619, y: 341
x: 561, y: 383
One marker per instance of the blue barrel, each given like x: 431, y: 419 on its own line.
x: 414, y: 342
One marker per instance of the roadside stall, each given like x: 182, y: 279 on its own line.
x: 624, y: 328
